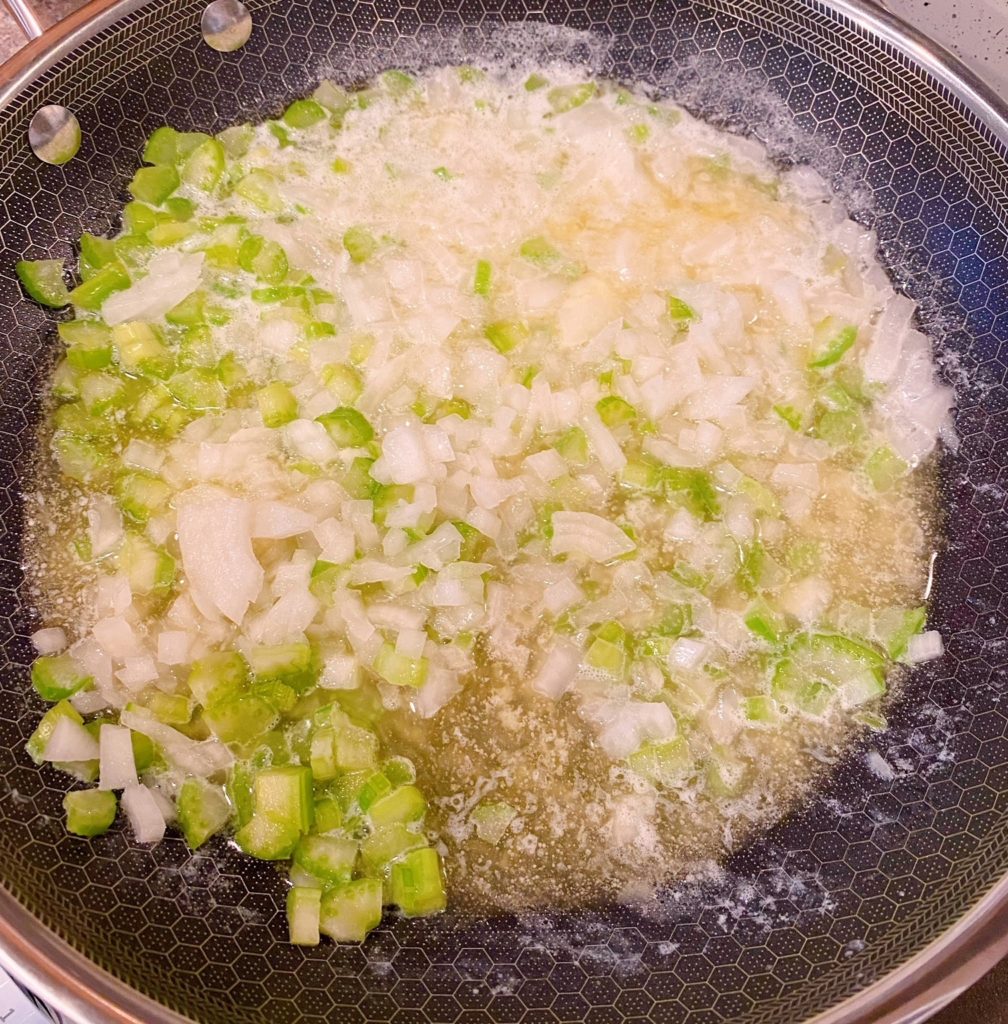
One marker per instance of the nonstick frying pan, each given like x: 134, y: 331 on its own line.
x: 878, y: 899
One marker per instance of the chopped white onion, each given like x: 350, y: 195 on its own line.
x: 590, y: 535
x: 70, y: 741
x: 558, y: 670
x: 171, y: 277
x: 924, y: 647
x: 49, y: 641
x: 144, y: 814
x: 117, y: 768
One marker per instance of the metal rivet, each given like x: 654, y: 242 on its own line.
x: 226, y: 25
x: 54, y: 134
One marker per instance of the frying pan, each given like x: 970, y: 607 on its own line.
x: 885, y: 893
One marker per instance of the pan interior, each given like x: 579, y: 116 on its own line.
x: 909, y: 831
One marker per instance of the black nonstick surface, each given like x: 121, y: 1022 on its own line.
x: 879, y: 863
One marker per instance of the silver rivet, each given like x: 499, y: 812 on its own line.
x: 54, y: 134
x: 226, y: 25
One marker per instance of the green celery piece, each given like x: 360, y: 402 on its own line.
x: 482, y: 278
x: 241, y: 719
x: 607, y: 657
x: 491, y: 820
x: 304, y: 114
x: 154, y: 184
x: 374, y: 787
x: 203, y: 810
x: 573, y: 446
x: 698, y: 489
x: 642, y: 473
x: 817, y: 666
x: 280, y: 133
x: 277, y: 404
x: 259, y: 187
x: 285, y: 794
x: 506, y: 335
x: 218, y: 676
x: 354, y: 748
x: 443, y: 173
x: 397, y: 82
x: 140, y: 349
x: 750, y: 570
x: 236, y: 139
x: 836, y: 348
x: 347, y: 427
x: 357, y: 480
x: 333, y: 97
x: 328, y: 858
x: 726, y: 773
x: 840, y: 428
x: 359, y: 243
x: 268, y: 839
x: 328, y: 815
x: 388, y: 843
x: 204, y: 166
x: 912, y: 622
x: 615, y: 411
x: 79, y: 459
x: 56, y: 677
x: 168, y: 146
x: 399, y: 670
x: 790, y: 415
x: 90, y: 812
x: 540, y: 252
x: 341, y: 166
x: 665, y: 764
x: 350, y: 911
x: 179, y: 208
x: 264, y: 258
x: 760, y: 708
x: 417, y: 885
x: 101, y: 392
x: 534, y: 82
x: 304, y: 912
x: 90, y: 294
x: 564, y: 98
x: 139, y: 218
x: 43, y: 731
x: 198, y: 389
x: 171, y: 708
x: 405, y: 804
x: 473, y: 542
x: 291, y: 664
x: 43, y: 281
x: 677, y: 310
x: 150, y: 569
x: 885, y: 468
x: 400, y: 771
x: 64, y: 384
x: 764, y: 623
x: 141, y: 495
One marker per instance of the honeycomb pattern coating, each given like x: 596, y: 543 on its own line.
x: 903, y: 837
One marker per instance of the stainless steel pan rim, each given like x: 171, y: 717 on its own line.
x: 78, y: 988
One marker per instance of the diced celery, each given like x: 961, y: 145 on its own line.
x: 291, y: 664
x: 615, y: 411
x: 264, y: 258
x: 607, y: 657
x: 277, y: 404
x: 760, y: 708
x: 388, y: 843
x: 400, y: 771
x: 350, y: 911
x: 750, y: 571
x: 398, y: 669
x: 43, y: 281
x: 279, y: 696
x: 236, y: 139
x: 665, y: 764
x: 203, y: 810
x: 790, y: 415
x: 304, y: 113
x: 903, y: 626
x: 341, y: 166
x: 696, y: 487
x: 89, y: 345
x: 678, y: 311
x: 535, y: 82
x: 150, y: 569
x: 198, y: 389
x: 885, y: 468
x: 171, y: 708
x: 36, y: 744
x: 154, y: 184
x: 542, y: 253
x: 397, y: 82
x: 817, y: 667
x: 204, y: 166
x: 563, y: 98
x: 328, y: 858
x: 764, y: 622
x: 642, y: 473
x: 404, y: 804
x: 417, y: 886
x: 241, y: 719
x: 285, y: 794
x: 141, y: 495
x: 838, y: 344
x: 56, y: 677
x: 328, y: 814
x: 343, y: 381
x: 267, y: 838
x: 101, y: 392
x: 90, y: 294
x: 506, y: 335
x: 140, y: 349
x: 840, y: 427
x: 171, y: 233
x: 168, y: 146
x: 217, y: 676
x: 304, y: 909
x: 90, y: 812
x: 354, y: 748
x: 179, y: 208
x: 483, y: 277
x: 139, y: 219
x: 359, y: 243
x: 347, y: 427
x: 573, y: 446
x: 375, y: 786
x: 95, y: 252
x: 79, y: 459
x: 726, y: 773
x: 357, y: 480
x: 492, y: 819
x: 259, y: 187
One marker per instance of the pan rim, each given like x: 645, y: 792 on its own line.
x: 80, y: 989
